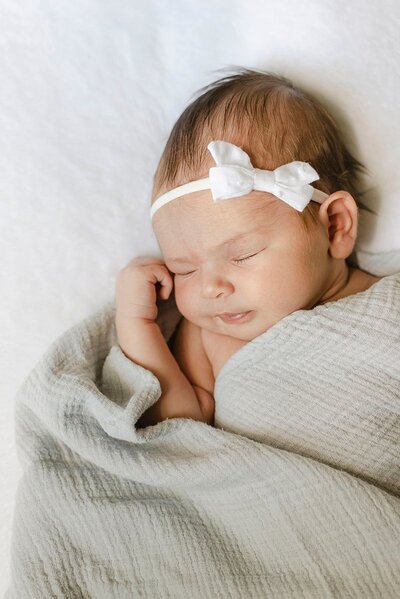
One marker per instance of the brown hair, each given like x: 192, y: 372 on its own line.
x: 273, y: 121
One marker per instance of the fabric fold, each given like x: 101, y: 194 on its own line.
x: 296, y: 487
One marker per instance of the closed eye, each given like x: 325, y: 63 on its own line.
x: 247, y: 258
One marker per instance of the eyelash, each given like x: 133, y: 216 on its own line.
x: 183, y: 274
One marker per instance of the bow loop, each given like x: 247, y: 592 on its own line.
x: 230, y: 181
x: 295, y: 173
x: 225, y: 153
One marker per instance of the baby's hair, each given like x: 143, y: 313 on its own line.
x: 273, y: 121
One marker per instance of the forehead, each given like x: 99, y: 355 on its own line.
x: 195, y: 224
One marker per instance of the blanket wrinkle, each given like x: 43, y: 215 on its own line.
x: 294, y: 492
x: 310, y: 396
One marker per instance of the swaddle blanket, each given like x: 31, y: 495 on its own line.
x: 294, y: 493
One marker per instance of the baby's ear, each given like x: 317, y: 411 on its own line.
x: 339, y: 214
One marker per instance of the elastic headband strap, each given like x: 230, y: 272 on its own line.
x: 182, y: 190
x: 200, y: 184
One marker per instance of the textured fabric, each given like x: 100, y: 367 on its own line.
x: 294, y: 493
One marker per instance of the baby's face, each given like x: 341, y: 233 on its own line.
x: 274, y: 268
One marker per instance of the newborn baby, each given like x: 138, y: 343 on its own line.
x: 245, y: 239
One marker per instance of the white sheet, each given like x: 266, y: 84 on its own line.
x: 88, y: 94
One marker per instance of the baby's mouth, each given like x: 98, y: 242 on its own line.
x: 234, y: 317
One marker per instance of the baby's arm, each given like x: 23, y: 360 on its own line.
x: 141, y: 340
x: 143, y: 343
x: 189, y: 352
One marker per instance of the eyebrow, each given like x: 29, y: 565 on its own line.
x: 223, y: 244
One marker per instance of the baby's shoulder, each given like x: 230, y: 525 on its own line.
x: 219, y: 348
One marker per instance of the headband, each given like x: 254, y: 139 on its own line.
x: 235, y: 176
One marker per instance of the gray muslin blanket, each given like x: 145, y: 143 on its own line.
x: 294, y: 493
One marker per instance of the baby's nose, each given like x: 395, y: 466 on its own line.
x: 215, y: 284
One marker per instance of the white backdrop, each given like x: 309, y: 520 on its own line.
x: 88, y: 94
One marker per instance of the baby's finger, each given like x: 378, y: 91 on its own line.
x: 165, y: 280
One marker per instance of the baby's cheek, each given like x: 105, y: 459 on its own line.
x: 188, y: 302
x: 182, y: 299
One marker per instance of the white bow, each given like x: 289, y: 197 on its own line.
x: 235, y: 176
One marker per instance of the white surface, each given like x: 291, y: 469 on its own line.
x: 89, y: 92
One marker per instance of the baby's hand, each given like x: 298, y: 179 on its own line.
x: 135, y: 295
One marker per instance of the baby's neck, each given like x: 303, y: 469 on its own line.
x: 352, y: 281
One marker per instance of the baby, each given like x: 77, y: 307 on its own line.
x: 246, y: 240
